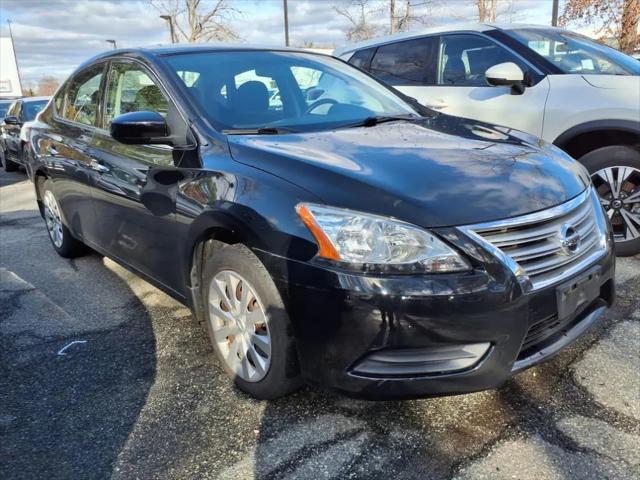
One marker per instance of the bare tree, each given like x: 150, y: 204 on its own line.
x: 612, y: 18
x: 47, y: 85
x: 199, y: 20
x: 358, y: 12
x: 487, y: 10
x: 402, y: 19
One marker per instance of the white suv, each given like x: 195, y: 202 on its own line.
x: 577, y: 94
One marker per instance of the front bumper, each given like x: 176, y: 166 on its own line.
x: 343, y: 321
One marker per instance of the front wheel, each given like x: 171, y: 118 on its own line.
x: 615, y: 172
x: 247, y: 323
x: 63, y: 242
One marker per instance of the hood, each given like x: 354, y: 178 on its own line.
x: 441, y: 171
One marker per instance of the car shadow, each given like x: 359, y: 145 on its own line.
x: 68, y: 413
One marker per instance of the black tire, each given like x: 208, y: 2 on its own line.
x: 617, y: 156
x: 283, y: 375
x: 9, y: 165
x: 68, y: 247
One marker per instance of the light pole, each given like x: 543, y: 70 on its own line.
x: 112, y: 42
x: 15, y: 57
x: 286, y: 22
x: 172, y: 32
x: 554, y: 13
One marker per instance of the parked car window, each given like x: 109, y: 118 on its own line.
x: 14, y: 110
x: 131, y: 89
x: 83, y: 96
x: 576, y: 54
x: 31, y: 109
x: 404, y: 63
x: 464, y: 59
x: 362, y: 58
x: 241, y: 90
x: 4, y: 108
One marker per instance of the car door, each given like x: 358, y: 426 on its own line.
x: 129, y: 231
x: 12, y: 131
x: 455, y: 83
x: 65, y: 148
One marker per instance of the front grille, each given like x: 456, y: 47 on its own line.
x: 535, y: 241
x: 540, y: 331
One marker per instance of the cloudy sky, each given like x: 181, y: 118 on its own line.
x: 53, y: 36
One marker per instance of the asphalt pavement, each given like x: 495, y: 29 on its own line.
x: 104, y: 376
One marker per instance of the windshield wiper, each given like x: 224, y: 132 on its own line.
x: 376, y: 120
x: 258, y: 131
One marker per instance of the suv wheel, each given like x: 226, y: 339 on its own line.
x: 247, y: 323
x: 615, y: 172
x: 61, y: 239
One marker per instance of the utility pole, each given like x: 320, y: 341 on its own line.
x: 554, y: 14
x: 286, y: 22
x: 112, y: 42
x: 15, y: 57
x: 172, y: 31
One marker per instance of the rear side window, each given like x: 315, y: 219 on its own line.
x: 410, y: 62
x: 131, y: 89
x: 362, y: 58
x: 83, y: 96
x: 464, y: 59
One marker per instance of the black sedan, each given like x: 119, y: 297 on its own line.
x: 322, y: 227
x: 15, y: 128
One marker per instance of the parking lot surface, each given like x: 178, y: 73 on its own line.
x: 104, y: 376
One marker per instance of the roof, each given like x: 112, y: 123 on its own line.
x: 34, y: 99
x: 453, y: 27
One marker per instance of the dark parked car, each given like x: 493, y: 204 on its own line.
x: 15, y: 127
x: 356, y: 240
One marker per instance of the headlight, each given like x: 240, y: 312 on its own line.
x: 359, y: 238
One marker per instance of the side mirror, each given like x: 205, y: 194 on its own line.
x: 140, y: 128
x: 506, y: 74
x: 11, y: 120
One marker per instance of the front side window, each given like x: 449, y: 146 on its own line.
x: 576, y: 54
x: 464, y: 59
x: 83, y: 96
x: 404, y: 63
x: 31, y: 109
x: 131, y: 89
x: 14, y: 109
x: 299, y: 91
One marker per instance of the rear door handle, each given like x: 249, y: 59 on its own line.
x: 97, y: 166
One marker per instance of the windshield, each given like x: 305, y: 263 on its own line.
x: 283, y: 90
x: 31, y: 109
x: 576, y: 54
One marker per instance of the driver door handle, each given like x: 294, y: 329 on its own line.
x: 52, y: 151
x: 97, y: 166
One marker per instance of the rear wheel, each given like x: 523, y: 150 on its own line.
x: 61, y: 239
x: 9, y: 165
x: 247, y: 323
x: 615, y: 172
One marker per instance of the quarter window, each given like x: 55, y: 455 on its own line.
x: 405, y: 63
x: 362, y: 58
x: 83, y: 96
x: 131, y: 89
x: 465, y: 58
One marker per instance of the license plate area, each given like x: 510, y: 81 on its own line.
x: 578, y: 293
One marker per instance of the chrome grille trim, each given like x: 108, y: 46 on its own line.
x: 531, y: 245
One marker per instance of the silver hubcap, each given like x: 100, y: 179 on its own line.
x: 52, y: 218
x: 619, y: 191
x: 239, y: 325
